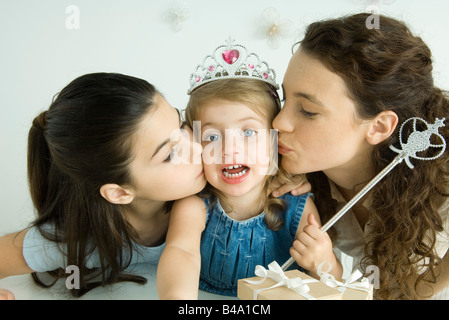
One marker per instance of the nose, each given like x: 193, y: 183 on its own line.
x: 282, y: 122
x: 233, y: 148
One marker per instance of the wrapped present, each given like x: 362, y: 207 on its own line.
x: 351, y: 288
x: 274, y: 284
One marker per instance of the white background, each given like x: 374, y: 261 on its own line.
x: 39, y: 55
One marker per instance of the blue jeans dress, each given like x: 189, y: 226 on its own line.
x: 231, y: 249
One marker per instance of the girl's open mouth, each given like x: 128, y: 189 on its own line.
x: 234, y: 173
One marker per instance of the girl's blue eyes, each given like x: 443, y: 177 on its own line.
x: 212, y: 137
x: 247, y: 133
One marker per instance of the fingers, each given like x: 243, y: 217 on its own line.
x: 283, y: 189
x: 302, y: 255
x: 6, y: 295
x: 295, y: 189
x: 306, y: 239
x: 304, y: 188
x: 296, y: 254
x: 312, y: 245
x: 313, y: 229
x: 312, y: 220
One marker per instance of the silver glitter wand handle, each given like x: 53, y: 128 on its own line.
x: 417, y: 141
x: 398, y: 159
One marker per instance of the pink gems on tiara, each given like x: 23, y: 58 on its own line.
x: 230, y: 56
x: 231, y: 61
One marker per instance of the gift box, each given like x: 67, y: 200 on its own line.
x: 358, y: 294
x: 351, y: 288
x: 274, y: 284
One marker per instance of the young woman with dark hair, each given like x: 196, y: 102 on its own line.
x: 101, y: 176
x: 347, y: 91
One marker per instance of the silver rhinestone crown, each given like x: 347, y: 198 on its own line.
x: 231, y: 61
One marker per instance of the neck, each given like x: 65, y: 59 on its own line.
x: 245, y: 206
x: 149, y: 220
x: 353, y: 176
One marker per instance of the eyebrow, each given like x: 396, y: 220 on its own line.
x: 240, y: 120
x: 312, y: 98
x: 159, y: 147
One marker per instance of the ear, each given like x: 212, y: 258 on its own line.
x: 381, y: 127
x: 116, y: 194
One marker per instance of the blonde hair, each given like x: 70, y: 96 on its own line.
x: 262, y: 99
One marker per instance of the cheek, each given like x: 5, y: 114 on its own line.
x: 261, y: 153
x: 212, y: 153
x: 320, y: 141
x: 331, y: 147
x: 210, y: 171
x: 164, y: 184
x: 181, y: 187
x: 154, y: 185
x: 313, y: 146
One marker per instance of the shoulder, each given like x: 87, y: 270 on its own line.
x: 41, y: 253
x: 187, y: 222
x: 191, y: 203
x: 189, y: 212
x: 39, y: 236
x: 297, y: 204
x: 12, y: 261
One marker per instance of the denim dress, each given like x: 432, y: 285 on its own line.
x: 231, y: 249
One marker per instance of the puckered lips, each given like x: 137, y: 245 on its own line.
x: 234, y: 173
x: 282, y: 149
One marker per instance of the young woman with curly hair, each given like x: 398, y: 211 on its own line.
x: 347, y: 91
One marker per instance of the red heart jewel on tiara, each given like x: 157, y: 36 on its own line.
x: 230, y: 56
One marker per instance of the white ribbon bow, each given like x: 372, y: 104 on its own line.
x: 329, y: 280
x: 275, y: 272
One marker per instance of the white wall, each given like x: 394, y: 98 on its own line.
x: 39, y: 55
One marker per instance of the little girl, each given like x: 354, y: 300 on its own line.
x: 220, y: 236
x: 101, y: 178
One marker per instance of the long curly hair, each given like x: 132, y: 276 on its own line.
x: 390, y: 69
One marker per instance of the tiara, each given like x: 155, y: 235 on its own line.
x: 231, y: 61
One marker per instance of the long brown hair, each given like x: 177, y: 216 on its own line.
x: 262, y: 99
x: 82, y: 142
x: 390, y: 69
